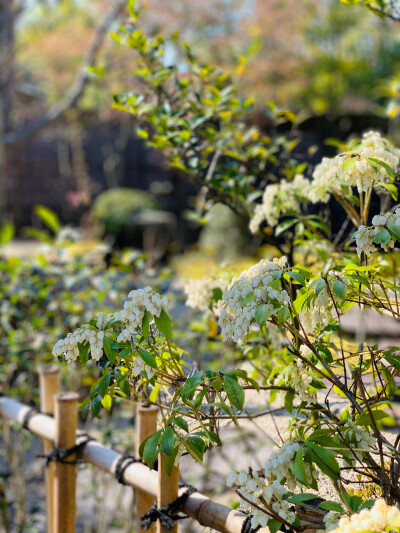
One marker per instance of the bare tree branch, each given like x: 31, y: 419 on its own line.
x: 76, y: 91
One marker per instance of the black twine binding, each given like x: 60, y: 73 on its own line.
x: 59, y: 454
x: 170, y: 513
x: 27, y: 416
x: 246, y: 526
x: 123, y: 462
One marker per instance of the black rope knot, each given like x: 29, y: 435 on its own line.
x: 123, y: 462
x: 246, y: 526
x: 170, y: 513
x: 59, y: 454
x: 27, y: 416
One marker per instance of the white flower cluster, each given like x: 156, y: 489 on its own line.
x: 69, y: 346
x: 260, y: 491
x: 139, y: 365
x: 261, y: 284
x: 316, y: 318
x: 353, y: 168
x: 380, y: 518
x: 200, y: 291
x: 358, y: 436
x: 331, y: 520
x: 134, y: 308
x: 279, y: 199
x: 318, y: 315
x: 131, y: 316
x: 365, y: 235
x: 280, y: 464
x: 277, y: 337
x: 299, y: 376
x: 67, y: 235
x: 315, y: 248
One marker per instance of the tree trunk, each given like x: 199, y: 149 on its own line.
x: 6, y: 90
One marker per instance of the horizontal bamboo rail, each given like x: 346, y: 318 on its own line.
x: 207, y: 512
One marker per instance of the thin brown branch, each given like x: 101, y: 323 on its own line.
x: 73, y: 96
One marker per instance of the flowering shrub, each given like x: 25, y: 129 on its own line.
x: 303, y: 304
x: 144, y: 364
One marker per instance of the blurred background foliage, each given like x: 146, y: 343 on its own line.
x: 335, y: 65
x: 314, y: 56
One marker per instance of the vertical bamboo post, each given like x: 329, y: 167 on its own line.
x: 49, y: 384
x: 65, y: 474
x: 146, y: 425
x: 168, y: 487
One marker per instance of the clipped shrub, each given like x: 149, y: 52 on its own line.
x: 117, y: 208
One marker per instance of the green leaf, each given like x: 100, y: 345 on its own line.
x: 217, y: 294
x: 283, y: 315
x: 248, y: 299
x: 199, y: 398
x: 366, y: 505
x: 324, y: 459
x: 143, y: 134
x: 365, y: 419
x: 107, y: 343
x: 318, y: 284
x: 274, y: 525
x: 154, y: 393
x: 48, y: 217
x: 191, y: 385
x: 394, y: 230
x: 164, y: 325
x: 355, y: 502
x: 302, y: 296
x: 106, y: 402
x: 150, y: 448
x: 299, y: 498
x: 83, y: 352
x: 297, y: 277
x: 148, y: 358
x: 95, y: 405
x: 383, y: 237
x: 124, y: 385
x: 167, y: 441
x: 331, y: 506
x: 146, y: 325
x: 283, y: 226
x: 104, y: 384
x: 390, y: 187
x: 382, y: 164
x: 98, y: 70
x: 196, y: 447
x: 6, y: 233
x: 181, y: 422
x: 289, y: 396
x: 339, y: 288
x: 299, y: 470
x: 317, y: 384
x: 393, y: 360
x: 324, y: 352
x: 349, y: 163
x: 234, y: 392
x: 262, y: 315
x: 169, y: 461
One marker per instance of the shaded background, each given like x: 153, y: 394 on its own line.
x: 336, y: 66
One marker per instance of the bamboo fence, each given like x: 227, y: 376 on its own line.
x: 148, y: 485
